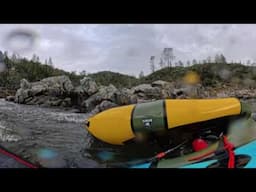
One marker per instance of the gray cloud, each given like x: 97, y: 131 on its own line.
x: 127, y: 48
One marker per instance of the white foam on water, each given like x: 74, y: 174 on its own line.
x: 68, y: 117
x: 6, y: 135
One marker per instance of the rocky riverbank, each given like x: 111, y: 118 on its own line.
x: 4, y: 93
x: 89, y: 97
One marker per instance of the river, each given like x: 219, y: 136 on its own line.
x: 49, y: 136
x: 56, y: 138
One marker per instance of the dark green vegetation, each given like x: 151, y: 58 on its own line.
x: 211, y: 74
x: 117, y: 79
x: 17, y: 69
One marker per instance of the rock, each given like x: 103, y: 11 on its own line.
x: 21, y: 95
x: 104, y: 105
x: 221, y: 95
x: 48, y: 92
x: 125, y: 97
x: 161, y: 84
x: 133, y: 99
x: 66, y: 102
x: 146, y: 91
x: 188, y: 91
x: 88, y: 86
x: 105, y: 93
x: 56, y: 102
x: 30, y: 100
x: 38, y: 89
x: 59, y: 82
x: 5, y: 92
x: 24, y: 84
x: 166, y: 88
x: 10, y: 98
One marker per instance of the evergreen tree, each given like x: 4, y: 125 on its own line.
x: 152, y: 64
x: 141, y: 75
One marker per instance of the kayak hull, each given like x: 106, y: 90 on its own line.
x: 121, y: 124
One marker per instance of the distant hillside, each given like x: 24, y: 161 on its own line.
x: 117, y: 79
x: 17, y: 69
x: 211, y: 74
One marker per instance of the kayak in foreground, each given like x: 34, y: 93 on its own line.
x: 245, y: 157
x: 241, y: 133
x: 174, y: 117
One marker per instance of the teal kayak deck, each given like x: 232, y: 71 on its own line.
x: 248, y: 149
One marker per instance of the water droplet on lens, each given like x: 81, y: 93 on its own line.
x: 20, y: 40
x: 191, y: 78
x: 46, y: 154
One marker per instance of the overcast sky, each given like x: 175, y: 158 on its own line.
x: 126, y: 48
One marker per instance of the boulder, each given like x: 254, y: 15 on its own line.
x: 166, y: 88
x: 105, y: 93
x: 88, y: 86
x: 10, y: 98
x: 188, y: 92
x: 24, y: 84
x: 125, y: 97
x: 146, y: 91
x: 45, y: 91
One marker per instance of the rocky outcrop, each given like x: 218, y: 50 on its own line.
x: 125, y: 96
x: 10, y: 98
x: 105, y: 93
x: 104, y: 105
x: 166, y: 88
x: 52, y: 91
x: 86, y: 88
x: 4, y: 92
x: 147, y: 92
x: 90, y: 97
x: 188, y: 91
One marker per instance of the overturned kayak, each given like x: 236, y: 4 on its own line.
x: 120, y: 125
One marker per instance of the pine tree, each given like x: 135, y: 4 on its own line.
x: 141, y: 74
x: 161, y: 63
x: 209, y: 59
x: 194, y: 62
x: 152, y: 64
x: 34, y: 57
x: 217, y: 58
x: 167, y: 57
x: 188, y: 63
x: 50, y: 61
x: 180, y: 63
x: 222, y: 59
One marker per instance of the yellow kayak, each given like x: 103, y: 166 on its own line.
x: 121, y: 124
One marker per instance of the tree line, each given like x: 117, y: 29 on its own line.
x: 167, y: 60
x: 17, y: 67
